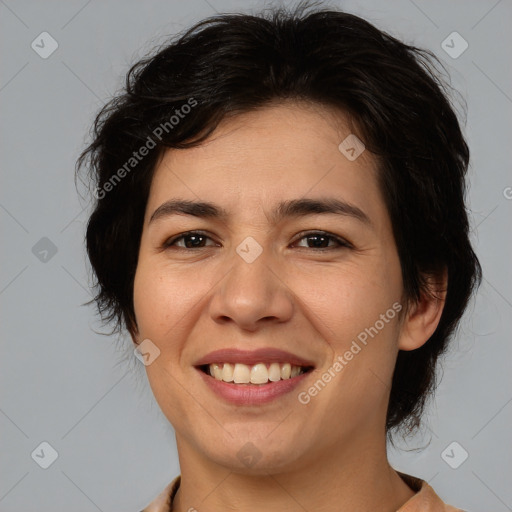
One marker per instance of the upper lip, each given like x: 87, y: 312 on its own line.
x: 251, y: 357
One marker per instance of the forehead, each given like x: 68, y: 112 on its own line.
x: 281, y: 152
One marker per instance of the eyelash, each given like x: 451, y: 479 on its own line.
x: 342, y: 243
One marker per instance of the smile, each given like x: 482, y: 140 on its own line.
x: 248, y: 393
x: 260, y: 373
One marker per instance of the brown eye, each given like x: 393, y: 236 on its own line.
x: 191, y: 240
x: 320, y: 240
x: 316, y: 240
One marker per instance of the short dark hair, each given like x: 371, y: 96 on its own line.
x: 235, y: 63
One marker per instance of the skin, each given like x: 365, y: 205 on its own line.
x: 329, y: 454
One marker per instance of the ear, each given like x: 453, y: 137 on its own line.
x: 422, y: 318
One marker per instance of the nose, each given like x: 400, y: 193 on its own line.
x: 252, y: 295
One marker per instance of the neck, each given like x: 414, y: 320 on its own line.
x: 354, y: 477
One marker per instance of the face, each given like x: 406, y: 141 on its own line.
x: 324, y: 287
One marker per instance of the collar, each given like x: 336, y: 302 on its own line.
x: 425, y: 499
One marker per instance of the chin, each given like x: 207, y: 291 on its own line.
x: 254, y: 452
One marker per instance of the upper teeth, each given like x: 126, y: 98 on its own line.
x: 256, y: 374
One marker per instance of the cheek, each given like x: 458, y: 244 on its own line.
x: 349, y: 300
x: 150, y: 301
x: 166, y: 300
x: 164, y: 308
x: 361, y: 310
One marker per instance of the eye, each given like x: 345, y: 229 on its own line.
x: 320, y: 238
x: 191, y: 239
x: 196, y: 239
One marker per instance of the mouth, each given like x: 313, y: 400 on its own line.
x: 252, y: 377
x: 258, y: 374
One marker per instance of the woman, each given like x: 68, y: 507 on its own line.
x: 280, y: 226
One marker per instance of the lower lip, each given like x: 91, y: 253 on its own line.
x: 252, y: 394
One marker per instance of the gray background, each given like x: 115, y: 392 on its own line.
x: 86, y: 394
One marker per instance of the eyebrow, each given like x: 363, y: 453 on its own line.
x: 285, y: 209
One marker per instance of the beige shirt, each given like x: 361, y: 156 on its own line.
x: 425, y: 499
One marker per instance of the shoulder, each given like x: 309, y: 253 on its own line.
x: 425, y: 499
x: 163, y: 502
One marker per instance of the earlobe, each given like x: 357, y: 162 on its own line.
x: 422, y: 317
